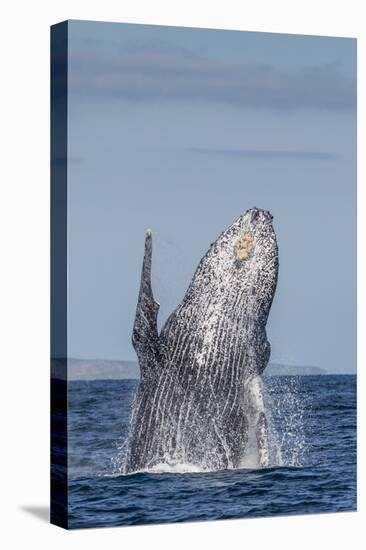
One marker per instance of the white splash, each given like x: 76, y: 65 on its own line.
x: 171, y: 468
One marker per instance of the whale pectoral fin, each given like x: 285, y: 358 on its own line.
x: 145, y: 337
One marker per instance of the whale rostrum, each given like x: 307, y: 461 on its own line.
x: 198, y: 389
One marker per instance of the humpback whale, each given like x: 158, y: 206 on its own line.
x: 199, y: 388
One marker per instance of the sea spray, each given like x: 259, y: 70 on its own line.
x: 288, y: 406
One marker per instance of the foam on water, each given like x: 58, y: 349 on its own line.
x: 165, y: 467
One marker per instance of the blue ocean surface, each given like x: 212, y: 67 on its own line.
x: 313, y: 468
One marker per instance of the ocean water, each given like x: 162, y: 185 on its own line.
x: 313, y: 459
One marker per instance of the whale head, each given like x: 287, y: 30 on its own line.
x: 242, y: 264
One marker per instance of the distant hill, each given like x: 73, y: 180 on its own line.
x: 100, y: 369
x: 277, y: 369
x: 94, y: 369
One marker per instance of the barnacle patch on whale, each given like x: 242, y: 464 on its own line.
x: 244, y: 246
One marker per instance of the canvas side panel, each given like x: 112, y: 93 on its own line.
x: 59, y: 67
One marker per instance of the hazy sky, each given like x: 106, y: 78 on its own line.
x: 182, y: 130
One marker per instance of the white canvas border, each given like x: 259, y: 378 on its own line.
x: 25, y: 269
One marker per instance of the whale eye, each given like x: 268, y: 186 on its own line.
x: 244, y: 246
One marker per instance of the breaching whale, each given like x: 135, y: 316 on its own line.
x: 198, y: 389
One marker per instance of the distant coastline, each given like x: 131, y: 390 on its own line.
x: 100, y: 369
x: 278, y: 369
